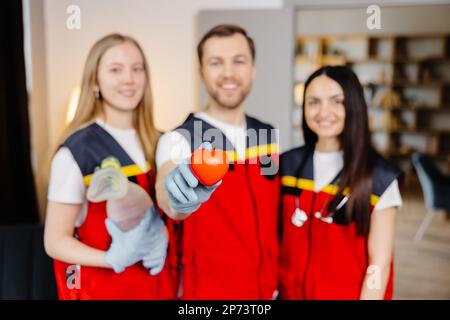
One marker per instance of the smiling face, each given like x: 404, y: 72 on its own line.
x: 324, y: 107
x: 121, y: 77
x: 227, y: 70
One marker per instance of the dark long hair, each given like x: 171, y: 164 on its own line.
x: 355, y: 143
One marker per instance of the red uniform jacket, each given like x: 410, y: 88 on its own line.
x: 89, y: 146
x: 320, y: 257
x: 228, y: 248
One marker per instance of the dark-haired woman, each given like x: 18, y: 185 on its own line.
x: 339, y: 199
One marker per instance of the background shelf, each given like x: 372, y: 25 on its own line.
x: 406, y: 80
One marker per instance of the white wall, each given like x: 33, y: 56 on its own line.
x: 165, y: 29
x: 270, y: 99
x: 398, y: 20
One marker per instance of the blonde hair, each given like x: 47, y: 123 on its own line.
x: 89, y: 107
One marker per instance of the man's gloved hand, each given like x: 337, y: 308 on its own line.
x: 127, y: 248
x: 155, y: 255
x: 186, y: 193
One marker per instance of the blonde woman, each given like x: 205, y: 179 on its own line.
x: 94, y: 258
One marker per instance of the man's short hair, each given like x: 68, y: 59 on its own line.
x: 224, y: 30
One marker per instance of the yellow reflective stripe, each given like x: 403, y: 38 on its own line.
x: 374, y: 199
x: 330, y: 189
x: 132, y: 170
x: 129, y: 171
x: 261, y: 150
x: 293, y: 182
x: 305, y: 184
x: 333, y: 189
x: 254, y: 152
x: 288, y: 181
x: 232, y: 156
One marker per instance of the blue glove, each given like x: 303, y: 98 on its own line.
x: 129, y: 247
x: 186, y: 193
x: 156, y: 253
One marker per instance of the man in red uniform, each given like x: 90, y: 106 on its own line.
x: 226, y: 247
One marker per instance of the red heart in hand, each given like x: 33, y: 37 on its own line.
x: 209, y: 166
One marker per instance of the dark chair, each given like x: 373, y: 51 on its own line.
x: 26, y: 272
x: 436, y: 189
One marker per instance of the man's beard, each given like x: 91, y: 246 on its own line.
x: 229, y: 105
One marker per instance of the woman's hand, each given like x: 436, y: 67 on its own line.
x: 128, y: 247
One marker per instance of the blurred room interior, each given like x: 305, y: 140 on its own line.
x: 404, y: 67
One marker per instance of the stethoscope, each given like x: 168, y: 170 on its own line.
x: 299, y: 216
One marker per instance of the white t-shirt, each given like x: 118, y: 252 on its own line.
x: 328, y: 164
x: 174, y: 146
x: 66, y: 181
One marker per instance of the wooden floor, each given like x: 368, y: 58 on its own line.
x: 422, y: 269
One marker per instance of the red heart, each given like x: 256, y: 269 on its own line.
x: 209, y: 166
